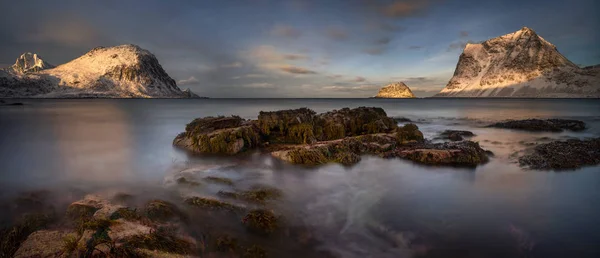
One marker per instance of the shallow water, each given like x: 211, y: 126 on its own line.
x: 378, y: 208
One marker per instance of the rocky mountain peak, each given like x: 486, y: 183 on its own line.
x: 517, y: 64
x: 395, y: 90
x: 30, y: 62
x: 122, y: 71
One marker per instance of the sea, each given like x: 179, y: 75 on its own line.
x: 378, y: 208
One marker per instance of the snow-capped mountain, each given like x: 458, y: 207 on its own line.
x: 519, y: 64
x: 28, y: 62
x: 395, y: 90
x: 124, y: 71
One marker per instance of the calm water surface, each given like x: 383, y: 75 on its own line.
x: 378, y: 208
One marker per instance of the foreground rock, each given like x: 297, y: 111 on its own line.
x: 538, y: 125
x: 560, y: 155
x: 301, y: 136
x: 455, y: 135
x: 95, y: 227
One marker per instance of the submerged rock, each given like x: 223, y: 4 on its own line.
x: 464, y: 153
x: 455, y: 135
x: 561, y: 155
x: 538, y: 125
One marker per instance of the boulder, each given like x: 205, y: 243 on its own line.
x: 464, y: 153
x: 294, y: 126
x: 218, y: 135
x: 338, y: 124
x: 538, y: 125
x: 455, y: 135
x: 43, y: 243
x: 563, y: 155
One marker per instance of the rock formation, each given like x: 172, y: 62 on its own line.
x: 301, y: 136
x: 395, y: 90
x: 519, y: 64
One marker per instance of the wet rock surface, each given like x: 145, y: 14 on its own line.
x: 462, y: 154
x: 455, y: 135
x: 538, y: 125
x: 563, y: 155
x: 300, y: 136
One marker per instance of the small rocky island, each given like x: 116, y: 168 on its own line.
x: 300, y: 136
x: 395, y: 90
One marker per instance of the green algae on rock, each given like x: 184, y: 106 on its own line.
x: 300, y: 136
x: 160, y: 210
x: 218, y: 135
x: 261, y: 221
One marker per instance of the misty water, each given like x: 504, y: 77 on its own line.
x: 377, y: 208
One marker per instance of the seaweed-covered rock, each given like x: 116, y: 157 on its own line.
x: 344, y: 151
x: 218, y: 135
x: 212, y: 204
x: 465, y: 153
x: 162, y: 210
x: 338, y: 124
x: 43, y: 243
x: 561, y: 155
x: 455, y: 135
x: 288, y: 126
x: 261, y: 221
x: 538, y: 125
x: 409, y: 133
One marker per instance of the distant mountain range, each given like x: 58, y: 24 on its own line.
x: 125, y: 71
x: 520, y: 64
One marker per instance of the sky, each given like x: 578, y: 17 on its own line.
x: 296, y: 48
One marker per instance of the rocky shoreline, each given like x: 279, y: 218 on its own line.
x: 300, y: 136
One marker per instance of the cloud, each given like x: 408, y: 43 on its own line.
x: 270, y: 54
x: 259, y: 85
x: 458, y: 45
x: 464, y: 34
x: 374, y: 51
x: 286, y: 31
x: 294, y: 56
x: 233, y: 65
x: 404, y: 8
x: 336, y: 33
x: 188, y: 81
x: 67, y: 30
x: 383, y: 41
x: 352, y: 88
x: 359, y: 79
x: 296, y: 70
x: 415, y: 47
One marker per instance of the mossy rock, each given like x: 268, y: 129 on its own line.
x: 293, y: 126
x: 211, y: 204
x: 80, y: 211
x: 261, y: 221
x: 162, y: 239
x: 12, y: 237
x: 226, y: 243
x: 261, y: 193
x: 160, y: 210
x: 126, y: 214
x: 255, y: 251
x: 185, y: 181
x: 409, y: 133
x: 218, y: 180
x: 338, y: 124
x: 210, y: 124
